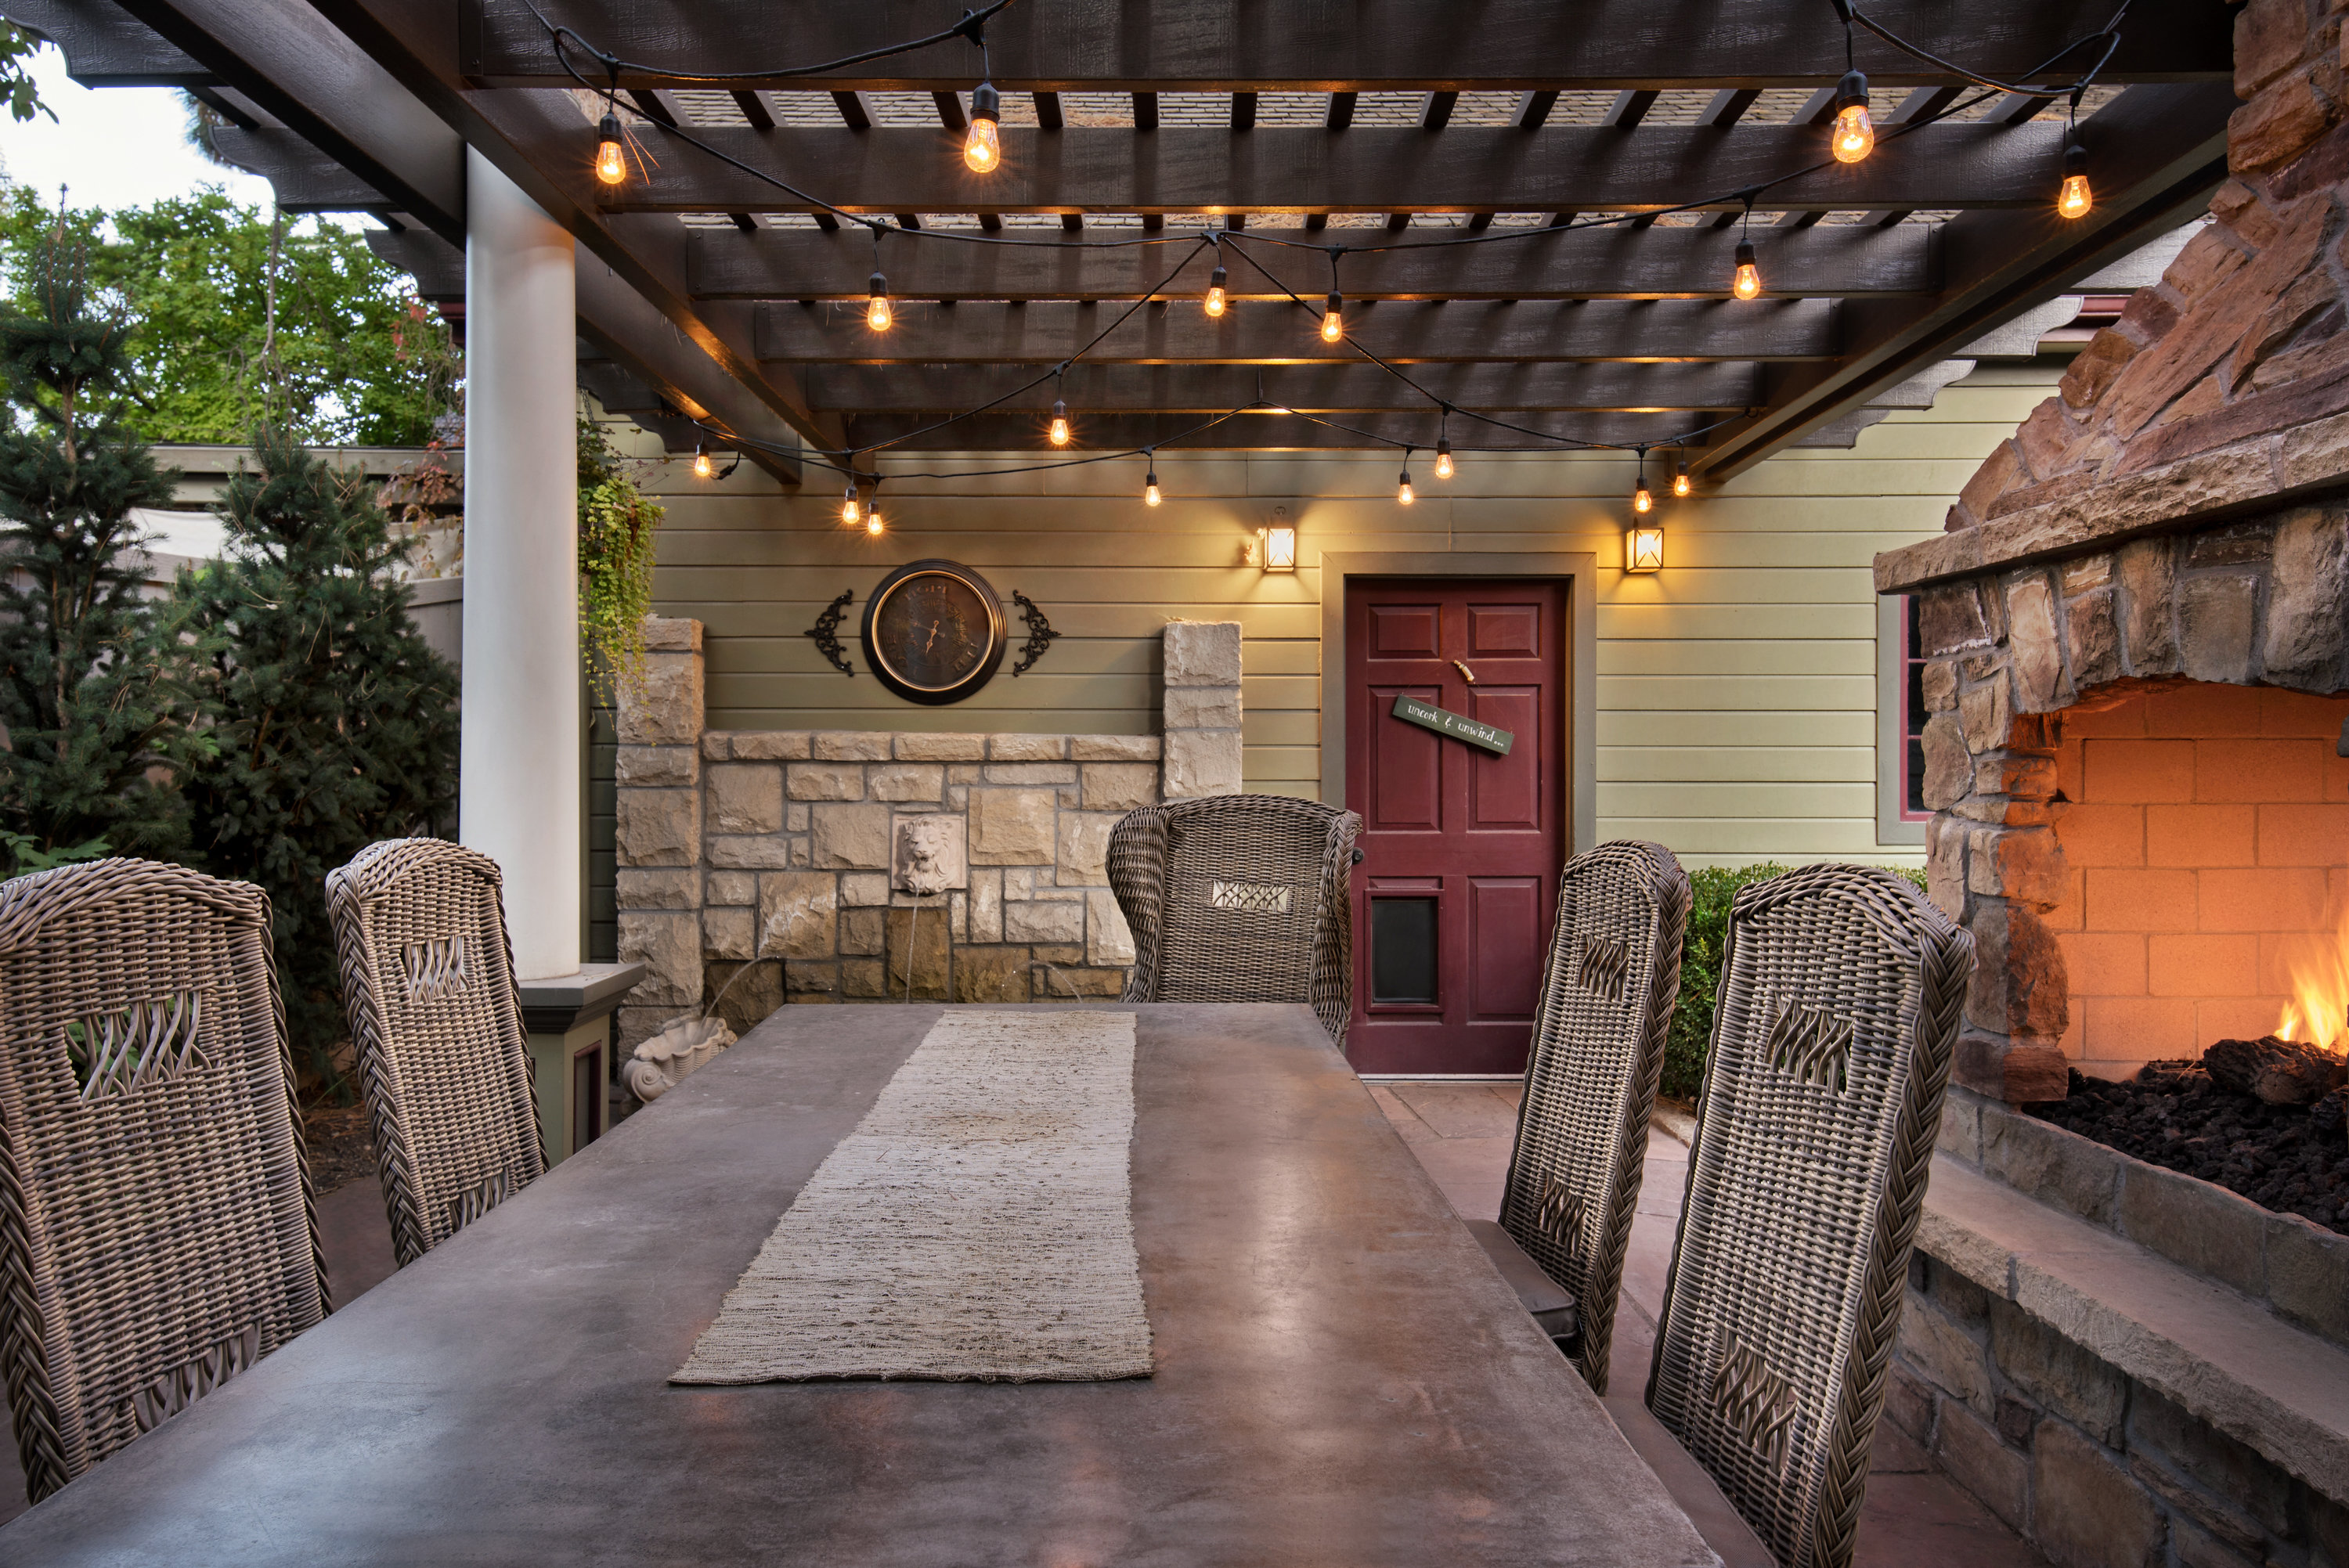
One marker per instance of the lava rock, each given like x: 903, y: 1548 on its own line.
x: 2328, y: 1114
x: 2278, y: 1072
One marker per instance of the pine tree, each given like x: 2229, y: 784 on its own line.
x: 337, y: 723
x: 99, y: 691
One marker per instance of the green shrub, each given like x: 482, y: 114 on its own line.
x: 1712, y: 890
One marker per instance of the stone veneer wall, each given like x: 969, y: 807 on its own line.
x: 772, y: 849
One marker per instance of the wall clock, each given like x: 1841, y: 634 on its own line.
x: 934, y: 632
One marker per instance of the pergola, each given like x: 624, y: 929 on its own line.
x: 1332, y: 126
x: 1532, y: 211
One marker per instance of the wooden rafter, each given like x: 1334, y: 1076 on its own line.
x: 1316, y: 389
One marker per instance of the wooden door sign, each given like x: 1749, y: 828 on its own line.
x: 1492, y: 738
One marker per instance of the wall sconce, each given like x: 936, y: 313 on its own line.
x: 1279, y: 549
x: 1643, y: 548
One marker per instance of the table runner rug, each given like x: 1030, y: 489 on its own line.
x: 976, y: 1225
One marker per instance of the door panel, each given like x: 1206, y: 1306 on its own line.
x: 1461, y: 847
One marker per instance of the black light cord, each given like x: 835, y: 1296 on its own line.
x: 2111, y: 38
x: 972, y: 26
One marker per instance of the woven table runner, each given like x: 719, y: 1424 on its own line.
x: 977, y: 1224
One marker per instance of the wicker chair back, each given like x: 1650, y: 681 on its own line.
x: 436, y: 1023
x: 157, y: 1234
x: 1239, y: 898
x: 1836, y: 1017
x: 1608, y: 993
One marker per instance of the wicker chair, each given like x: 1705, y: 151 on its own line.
x: 436, y: 1023
x: 157, y: 1234
x: 1608, y: 993
x: 1239, y: 898
x: 1838, y: 1015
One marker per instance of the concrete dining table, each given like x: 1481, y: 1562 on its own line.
x: 1340, y: 1376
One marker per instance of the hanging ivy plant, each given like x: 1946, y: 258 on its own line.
x: 616, y: 523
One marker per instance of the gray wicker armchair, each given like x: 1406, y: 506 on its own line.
x: 157, y: 1234
x: 436, y: 1023
x: 1837, y: 1013
x: 1608, y: 993
x: 1239, y: 898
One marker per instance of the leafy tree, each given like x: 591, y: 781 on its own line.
x: 18, y: 44
x: 338, y: 724
x: 245, y: 317
x: 99, y: 691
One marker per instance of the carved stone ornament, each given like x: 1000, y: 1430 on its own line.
x: 927, y: 855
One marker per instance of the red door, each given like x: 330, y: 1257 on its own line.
x: 1461, y: 847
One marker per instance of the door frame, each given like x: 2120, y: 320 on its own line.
x: 1578, y: 569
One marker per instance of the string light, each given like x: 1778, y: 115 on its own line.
x: 2074, y: 200
x: 611, y: 156
x: 1641, y: 499
x: 982, y: 150
x: 1404, y: 494
x: 1333, y: 317
x: 878, y: 315
x: 1443, y: 456
x: 873, y: 518
x: 1855, y: 133
x: 850, y: 511
x: 1747, y: 284
x: 1060, y: 423
x: 1150, y: 496
x: 700, y: 462
x: 1680, y: 485
x: 1215, y: 302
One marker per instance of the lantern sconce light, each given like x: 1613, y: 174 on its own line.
x: 1643, y: 548
x: 1279, y: 544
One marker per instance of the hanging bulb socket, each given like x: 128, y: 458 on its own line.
x: 1215, y: 301
x: 982, y: 148
x: 611, y: 152
x: 1333, y: 317
x: 1747, y: 281
x: 700, y: 462
x: 1060, y: 423
x: 1680, y: 484
x: 1854, y: 135
x: 850, y: 511
x: 1444, y: 470
x: 877, y: 314
x: 2075, y: 199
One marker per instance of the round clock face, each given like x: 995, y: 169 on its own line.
x: 934, y: 632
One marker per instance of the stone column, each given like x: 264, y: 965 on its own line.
x: 659, y: 878
x: 519, y: 745
x: 1201, y: 714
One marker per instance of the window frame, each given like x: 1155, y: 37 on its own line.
x: 1899, y: 716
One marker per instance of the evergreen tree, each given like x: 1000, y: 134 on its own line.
x: 97, y: 687
x: 338, y: 724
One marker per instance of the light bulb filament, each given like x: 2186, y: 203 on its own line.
x: 1855, y: 134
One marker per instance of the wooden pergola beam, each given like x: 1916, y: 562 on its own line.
x: 1090, y: 389
x: 1611, y: 263
x: 1222, y: 45
x: 1364, y: 169
x: 1464, y: 332
x: 1115, y: 432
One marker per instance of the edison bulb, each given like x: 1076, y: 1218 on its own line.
x: 2074, y: 200
x: 611, y: 158
x: 849, y: 511
x: 982, y: 148
x: 700, y: 464
x: 878, y: 315
x: 1150, y: 496
x: 1404, y: 494
x: 1333, y: 327
x: 1444, y: 470
x: 873, y: 520
x: 1214, y: 301
x: 1748, y: 282
x: 1640, y: 499
x: 1681, y: 483
x: 1855, y: 133
x: 1059, y: 433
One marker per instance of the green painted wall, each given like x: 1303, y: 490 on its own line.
x: 1736, y: 688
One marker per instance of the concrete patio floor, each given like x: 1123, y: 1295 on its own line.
x: 1914, y: 1514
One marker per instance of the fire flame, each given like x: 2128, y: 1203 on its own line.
x: 2318, y: 1013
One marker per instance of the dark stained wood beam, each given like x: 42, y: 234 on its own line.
x: 1437, y: 112
x: 1090, y: 389
x: 1533, y: 109
x: 2158, y: 153
x: 1457, y: 332
x: 1260, y: 430
x: 1244, y: 111
x: 1728, y: 107
x: 855, y: 113
x: 105, y: 48
x: 1047, y: 110
x: 1366, y: 168
x: 1629, y: 107
x: 1213, y: 45
x: 754, y: 109
x: 1146, y: 111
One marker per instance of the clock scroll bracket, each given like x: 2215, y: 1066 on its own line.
x: 1040, y: 633
x: 825, y: 633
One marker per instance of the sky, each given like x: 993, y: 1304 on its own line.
x: 123, y: 147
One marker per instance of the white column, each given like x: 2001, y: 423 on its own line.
x: 518, y: 802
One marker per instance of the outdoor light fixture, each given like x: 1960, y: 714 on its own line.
x: 1215, y: 302
x: 876, y: 309
x: 1279, y: 549
x: 1747, y: 284
x: 2073, y: 201
x: 1150, y: 496
x: 849, y: 510
x: 700, y: 462
x: 1642, y: 500
x: 1855, y: 133
x: 872, y: 514
x: 1443, y: 456
x: 1060, y: 423
x: 1643, y: 548
x: 982, y: 150
x: 1404, y: 494
x: 611, y: 157
x: 1680, y: 478
x: 1333, y: 317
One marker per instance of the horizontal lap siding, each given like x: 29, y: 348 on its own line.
x: 1736, y: 688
